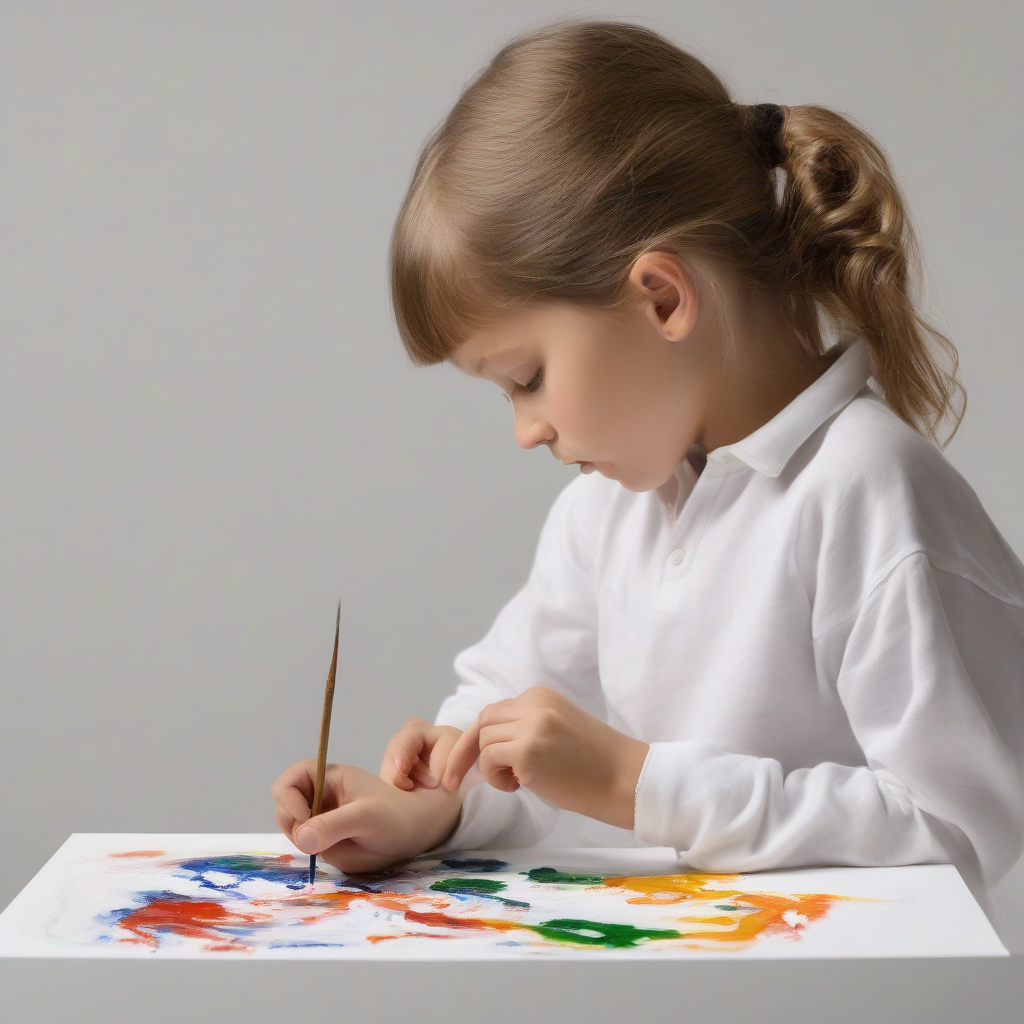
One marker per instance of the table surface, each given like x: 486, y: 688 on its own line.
x: 820, y: 991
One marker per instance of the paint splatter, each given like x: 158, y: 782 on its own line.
x: 486, y: 888
x: 552, y: 877
x: 223, y: 873
x: 247, y: 901
x: 167, y: 913
x: 474, y: 864
x: 757, y: 913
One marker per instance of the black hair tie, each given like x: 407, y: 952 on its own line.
x: 767, y: 120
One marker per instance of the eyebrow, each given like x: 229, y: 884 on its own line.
x: 505, y: 357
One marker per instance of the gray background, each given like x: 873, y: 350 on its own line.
x: 210, y: 433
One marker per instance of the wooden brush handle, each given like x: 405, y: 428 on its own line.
x: 325, y: 723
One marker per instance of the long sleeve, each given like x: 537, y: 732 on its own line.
x: 821, y: 638
x: 546, y: 635
x: 929, y: 671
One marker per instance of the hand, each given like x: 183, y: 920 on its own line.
x: 365, y: 824
x: 543, y: 741
x: 417, y: 754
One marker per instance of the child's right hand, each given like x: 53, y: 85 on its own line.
x: 417, y: 754
x: 364, y: 824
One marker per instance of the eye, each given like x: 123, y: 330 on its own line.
x: 536, y: 381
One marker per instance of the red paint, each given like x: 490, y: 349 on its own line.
x: 196, y: 919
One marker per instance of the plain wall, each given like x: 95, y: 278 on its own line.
x: 210, y: 431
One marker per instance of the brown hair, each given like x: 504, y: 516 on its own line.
x: 584, y: 144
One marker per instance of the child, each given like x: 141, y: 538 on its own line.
x: 769, y: 624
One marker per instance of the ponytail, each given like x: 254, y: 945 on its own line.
x: 854, y: 253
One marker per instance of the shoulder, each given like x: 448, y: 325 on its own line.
x: 878, y: 491
x: 867, y: 452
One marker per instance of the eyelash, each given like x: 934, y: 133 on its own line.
x: 535, y: 381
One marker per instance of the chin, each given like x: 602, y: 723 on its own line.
x: 637, y: 482
x: 631, y: 483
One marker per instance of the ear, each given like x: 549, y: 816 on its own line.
x: 667, y: 293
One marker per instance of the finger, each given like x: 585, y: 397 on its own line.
x: 285, y: 822
x: 389, y: 773
x: 497, y: 762
x: 404, y: 748
x: 400, y: 782
x: 440, y: 754
x: 462, y: 757
x: 300, y: 776
x: 423, y: 776
x: 295, y: 800
x: 332, y: 827
x: 503, y: 732
x: 500, y: 711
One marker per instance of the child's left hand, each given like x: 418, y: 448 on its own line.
x: 543, y: 741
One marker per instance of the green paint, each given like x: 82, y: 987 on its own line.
x: 594, y: 933
x: 722, y: 906
x: 473, y: 864
x: 554, y: 877
x: 487, y: 888
x: 477, y: 886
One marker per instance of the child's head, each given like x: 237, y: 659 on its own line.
x: 597, y: 183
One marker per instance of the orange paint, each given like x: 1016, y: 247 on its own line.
x: 759, y: 913
x: 444, y: 921
x: 138, y: 853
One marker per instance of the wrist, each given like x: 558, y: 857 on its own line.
x: 620, y: 788
x: 440, y: 811
x: 609, y: 792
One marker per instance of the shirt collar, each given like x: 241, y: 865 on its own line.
x: 771, y: 446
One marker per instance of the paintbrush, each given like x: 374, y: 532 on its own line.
x: 325, y: 731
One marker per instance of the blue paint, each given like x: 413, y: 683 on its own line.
x: 243, y: 868
x: 474, y: 864
x: 305, y: 945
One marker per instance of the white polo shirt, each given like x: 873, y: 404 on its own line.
x: 821, y: 637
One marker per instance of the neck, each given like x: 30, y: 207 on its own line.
x: 764, y: 376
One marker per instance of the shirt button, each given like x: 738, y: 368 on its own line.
x: 676, y: 557
x: 727, y: 457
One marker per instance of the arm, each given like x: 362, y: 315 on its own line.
x: 545, y: 636
x: 929, y: 672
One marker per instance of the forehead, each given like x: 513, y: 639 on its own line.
x: 513, y: 337
x: 497, y: 347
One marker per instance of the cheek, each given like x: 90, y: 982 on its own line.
x: 635, y: 407
x: 591, y: 410
x: 614, y: 407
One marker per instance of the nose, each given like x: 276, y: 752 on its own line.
x: 530, y: 430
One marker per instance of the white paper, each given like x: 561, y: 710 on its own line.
x: 219, y: 897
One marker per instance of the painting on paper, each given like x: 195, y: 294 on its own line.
x: 247, y: 896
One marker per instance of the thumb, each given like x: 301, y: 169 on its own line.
x: 323, y: 831
x: 462, y: 757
